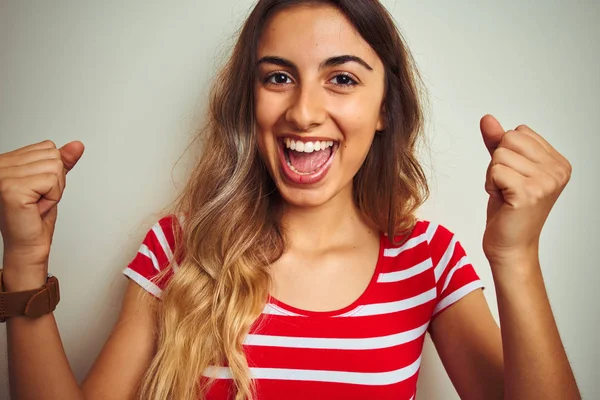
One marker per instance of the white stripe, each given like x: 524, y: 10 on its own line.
x: 413, y: 242
x: 461, y: 263
x: 443, y: 263
x: 457, y: 295
x: 143, y: 282
x: 162, y: 239
x: 273, y: 309
x: 405, y: 274
x: 371, y: 343
x: 431, y: 229
x: 144, y: 250
x: 392, y: 307
x: 357, y: 378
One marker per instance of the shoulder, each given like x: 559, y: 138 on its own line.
x: 433, y: 244
x: 154, y: 263
x: 159, y: 241
x: 428, y: 233
x: 438, y: 236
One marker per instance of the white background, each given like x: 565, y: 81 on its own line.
x: 130, y: 79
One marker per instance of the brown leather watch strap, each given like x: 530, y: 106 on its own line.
x: 29, y: 303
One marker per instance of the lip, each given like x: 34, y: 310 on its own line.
x: 313, y: 177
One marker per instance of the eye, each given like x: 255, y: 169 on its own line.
x: 277, y: 78
x: 343, y: 80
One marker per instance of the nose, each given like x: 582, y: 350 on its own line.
x: 307, y: 109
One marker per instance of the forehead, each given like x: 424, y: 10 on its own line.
x: 311, y: 33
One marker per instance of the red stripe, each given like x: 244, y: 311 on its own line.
x: 344, y: 327
x: 377, y: 360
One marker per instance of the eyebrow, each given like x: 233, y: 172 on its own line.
x: 330, y: 62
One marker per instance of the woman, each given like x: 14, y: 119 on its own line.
x: 293, y: 266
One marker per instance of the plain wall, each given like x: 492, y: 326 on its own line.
x: 130, y: 80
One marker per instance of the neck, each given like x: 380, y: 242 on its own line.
x: 334, y: 223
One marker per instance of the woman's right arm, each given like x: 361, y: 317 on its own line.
x: 38, y: 367
x: 32, y: 180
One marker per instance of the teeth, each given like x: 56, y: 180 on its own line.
x: 307, y: 147
x: 296, y: 171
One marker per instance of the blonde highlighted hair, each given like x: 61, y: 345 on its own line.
x: 232, y: 229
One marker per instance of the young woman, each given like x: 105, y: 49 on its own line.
x: 293, y: 266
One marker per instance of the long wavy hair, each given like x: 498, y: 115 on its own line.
x: 232, y: 230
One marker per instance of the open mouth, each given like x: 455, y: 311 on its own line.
x: 306, y: 162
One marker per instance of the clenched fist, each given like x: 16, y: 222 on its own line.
x: 32, y: 181
x: 525, y: 177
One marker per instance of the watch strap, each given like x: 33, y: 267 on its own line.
x: 29, y: 303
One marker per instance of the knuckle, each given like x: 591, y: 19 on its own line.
x: 49, y: 144
x: 51, y: 177
x: 568, y: 170
x: 509, y: 139
x: 54, y: 153
x: 564, y: 176
x: 551, y: 186
x: 500, y: 154
x: 562, y: 173
x: 52, y: 180
x: 57, y: 166
x: 495, y: 169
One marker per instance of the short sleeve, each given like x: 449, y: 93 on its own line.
x: 455, y: 276
x: 154, y: 256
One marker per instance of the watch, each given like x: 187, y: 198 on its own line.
x: 29, y: 303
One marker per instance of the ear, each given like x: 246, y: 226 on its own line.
x: 382, y: 121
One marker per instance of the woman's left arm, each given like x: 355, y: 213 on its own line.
x: 525, y: 359
x: 535, y: 362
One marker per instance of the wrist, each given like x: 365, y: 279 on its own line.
x: 510, y: 258
x: 32, y: 257
x: 512, y: 272
x: 21, y: 271
x: 22, y: 279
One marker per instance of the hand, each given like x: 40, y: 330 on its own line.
x: 32, y: 181
x: 524, y: 179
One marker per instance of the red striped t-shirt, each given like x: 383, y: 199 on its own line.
x: 370, y: 349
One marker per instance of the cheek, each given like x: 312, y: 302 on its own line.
x: 357, y: 120
x: 263, y: 118
x: 266, y: 116
x: 266, y: 110
x: 360, y: 111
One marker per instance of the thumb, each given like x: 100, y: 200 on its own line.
x: 71, y: 153
x: 492, y: 132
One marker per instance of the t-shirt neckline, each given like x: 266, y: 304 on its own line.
x: 359, y: 301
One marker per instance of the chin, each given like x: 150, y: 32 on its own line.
x: 305, y: 197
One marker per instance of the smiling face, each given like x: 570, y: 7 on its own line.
x: 318, y: 103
